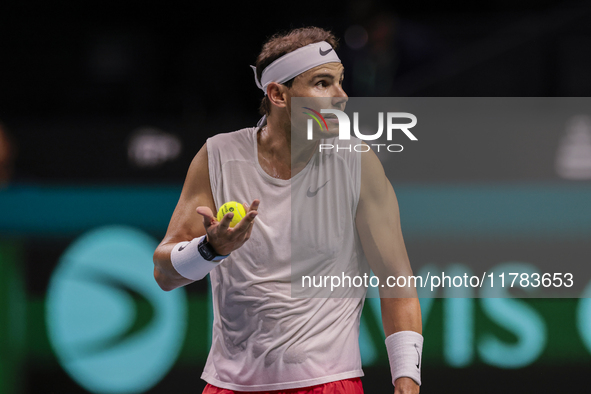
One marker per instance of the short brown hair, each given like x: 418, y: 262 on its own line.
x: 283, y: 43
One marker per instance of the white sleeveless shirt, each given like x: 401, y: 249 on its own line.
x: 262, y: 338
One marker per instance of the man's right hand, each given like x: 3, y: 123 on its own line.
x: 223, y: 238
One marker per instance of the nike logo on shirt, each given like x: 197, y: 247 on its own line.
x: 314, y: 193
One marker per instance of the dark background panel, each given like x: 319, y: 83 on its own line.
x: 125, y: 93
x: 79, y: 80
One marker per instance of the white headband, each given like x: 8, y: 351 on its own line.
x: 296, y: 62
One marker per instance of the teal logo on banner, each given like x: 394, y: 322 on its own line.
x: 112, y: 328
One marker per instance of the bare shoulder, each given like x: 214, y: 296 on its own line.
x: 374, y: 183
x: 197, y: 187
x: 186, y: 223
x: 198, y: 173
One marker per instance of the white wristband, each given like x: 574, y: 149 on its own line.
x: 188, y: 262
x: 404, y: 352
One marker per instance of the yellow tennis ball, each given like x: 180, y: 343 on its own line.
x: 236, y: 208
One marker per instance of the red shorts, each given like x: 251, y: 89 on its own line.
x: 347, y: 386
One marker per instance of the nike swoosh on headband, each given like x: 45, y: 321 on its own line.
x: 294, y: 63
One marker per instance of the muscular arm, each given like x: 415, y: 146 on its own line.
x: 185, y: 224
x: 378, y: 224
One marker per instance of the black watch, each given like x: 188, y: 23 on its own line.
x: 207, y: 251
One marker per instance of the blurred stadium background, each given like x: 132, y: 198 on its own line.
x: 103, y: 105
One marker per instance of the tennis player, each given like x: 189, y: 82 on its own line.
x: 263, y: 339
